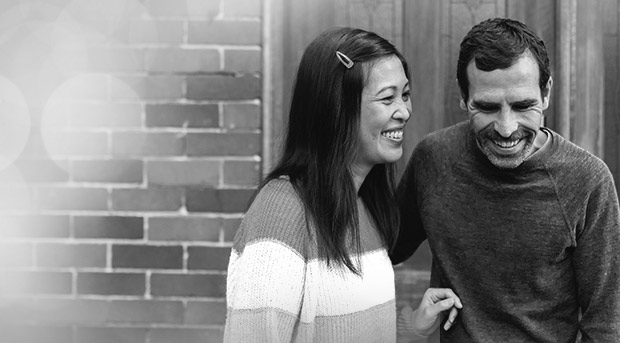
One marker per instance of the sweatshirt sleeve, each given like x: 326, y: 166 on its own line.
x: 596, y: 261
x: 267, y: 270
x: 411, y: 233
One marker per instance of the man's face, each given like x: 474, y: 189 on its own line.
x: 505, y: 109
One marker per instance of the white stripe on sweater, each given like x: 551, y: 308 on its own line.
x: 270, y: 274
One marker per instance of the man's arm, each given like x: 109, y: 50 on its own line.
x: 411, y: 233
x: 596, y: 261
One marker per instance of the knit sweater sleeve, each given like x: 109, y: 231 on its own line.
x: 411, y: 233
x: 596, y: 261
x: 267, y: 269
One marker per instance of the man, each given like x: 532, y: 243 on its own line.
x: 523, y: 225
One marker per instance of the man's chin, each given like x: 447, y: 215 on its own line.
x: 504, y: 161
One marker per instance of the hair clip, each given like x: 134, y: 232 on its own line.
x: 346, y: 61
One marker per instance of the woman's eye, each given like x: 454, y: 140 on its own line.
x: 388, y: 100
x: 406, y: 96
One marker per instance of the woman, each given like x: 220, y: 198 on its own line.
x: 309, y: 262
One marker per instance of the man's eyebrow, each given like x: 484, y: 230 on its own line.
x: 484, y: 104
x: 525, y: 103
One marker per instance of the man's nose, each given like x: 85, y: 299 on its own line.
x: 506, y: 123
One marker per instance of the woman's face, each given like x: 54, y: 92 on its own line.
x: 385, y: 109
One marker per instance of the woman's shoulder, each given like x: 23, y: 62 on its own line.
x: 276, y: 215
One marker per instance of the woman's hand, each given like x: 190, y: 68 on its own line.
x: 426, y: 319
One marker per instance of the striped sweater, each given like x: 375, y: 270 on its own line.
x: 279, y: 290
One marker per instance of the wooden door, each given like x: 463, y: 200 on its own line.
x: 583, y: 49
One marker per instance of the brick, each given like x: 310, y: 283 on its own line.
x: 229, y: 32
x: 224, y: 87
x: 242, y: 8
x: 111, y: 283
x: 109, y: 227
x: 145, y: 312
x: 75, y: 143
x: 188, y: 285
x: 185, y: 335
x: 241, y: 173
x: 35, y: 146
x: 242, y: 61
x: 182, y: 115
x: 24, y: 283
x: 218, y: 200
x: 223, y: 144
x: 184, y: 229
x: 36, y: 333
x: 422, y: 258
x: 410, y: 286
x: 90, y: 115
x: 110, y: 59
x: 15, y: 310
x: 110, y: 312
x: 16, y: 255
x: 141, y: 256
x: 147, y: 144
x: 42, y: 170
x: 31, y: 226
x: 164, y: 8
x: 205, y: 9
x: 176, y: 173
x: 108, y: 171
x: 73, y: 198
x: 208, y: 258
x: 71, y: 255
x: 110, y: 334
x: 70, y: 311
x: 153, y: 199
x: 176, y: 60
x: 153, y: 87
x: 16, y: 197
x: 205, y: 313
x: 152, y: 32
x: 242, y: 116
x: 83, y: 87
x: 230, y: 226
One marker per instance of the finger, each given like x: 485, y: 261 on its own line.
x: 437, y: 294
x: 451, y: 318
x: 440, y: 306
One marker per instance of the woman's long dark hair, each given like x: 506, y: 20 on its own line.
x: 323, y: 138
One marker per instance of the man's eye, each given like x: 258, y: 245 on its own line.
x: 486, y: 108
x: 522, y: 107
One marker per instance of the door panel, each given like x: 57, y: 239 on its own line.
x: 428, y: 32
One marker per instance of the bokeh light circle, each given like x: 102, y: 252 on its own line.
x: 15, y: 122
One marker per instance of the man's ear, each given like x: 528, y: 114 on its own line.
x: 546, y: 93
x: 462, y: 104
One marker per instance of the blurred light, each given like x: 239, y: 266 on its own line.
x: 14, y: 122
x: 15, y: 194
x: 106, y: 17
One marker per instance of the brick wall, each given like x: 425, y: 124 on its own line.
x: 130, y: 147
